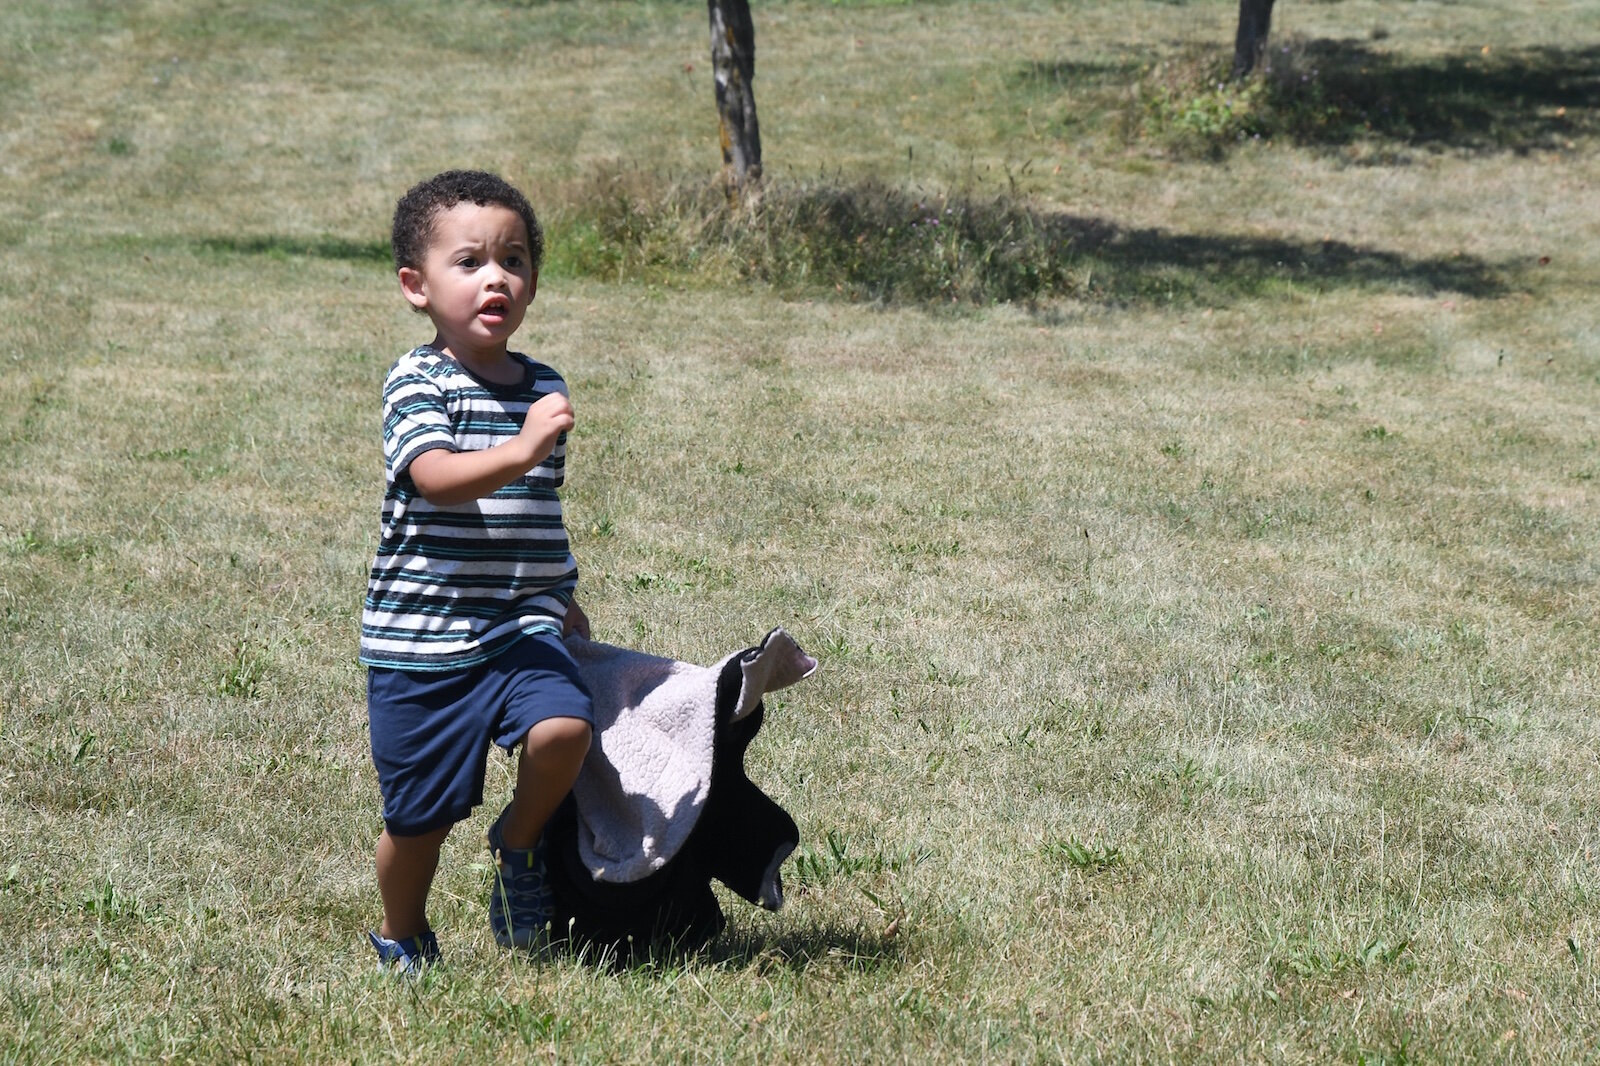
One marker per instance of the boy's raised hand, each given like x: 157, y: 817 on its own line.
x: 448, y: 478
x: 547, y: 418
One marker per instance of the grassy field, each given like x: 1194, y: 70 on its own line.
x: 1208, y: 642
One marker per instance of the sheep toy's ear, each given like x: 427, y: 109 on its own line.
x: 777, y: 663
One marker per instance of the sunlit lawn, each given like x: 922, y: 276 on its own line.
x: 1208, y: 653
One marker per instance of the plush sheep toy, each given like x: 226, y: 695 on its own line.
x: 663, y: 806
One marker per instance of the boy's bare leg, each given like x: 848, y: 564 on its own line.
x: 406, y: 866
x: 548, y: 764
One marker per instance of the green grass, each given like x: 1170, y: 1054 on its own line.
x: 1207, y: 639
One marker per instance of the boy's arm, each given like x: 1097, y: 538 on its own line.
x: 448, y: 478
x: 577, y: 621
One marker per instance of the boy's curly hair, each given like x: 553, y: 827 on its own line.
x: 416, y: 211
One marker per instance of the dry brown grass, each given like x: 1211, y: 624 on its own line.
x: 1203, y: 679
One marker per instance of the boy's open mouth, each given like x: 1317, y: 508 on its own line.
x: 494, y: 308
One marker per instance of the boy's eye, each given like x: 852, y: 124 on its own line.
x: 513, y: 261
x: 468, y: 261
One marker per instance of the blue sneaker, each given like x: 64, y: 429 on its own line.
x: 520, y: 901
x: 409, y: 956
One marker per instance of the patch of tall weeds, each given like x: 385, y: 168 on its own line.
x: 1191, y: 102
x: 1189, y: 105
x: 867, y: 241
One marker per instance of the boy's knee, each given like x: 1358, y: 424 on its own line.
x: 565, y: 739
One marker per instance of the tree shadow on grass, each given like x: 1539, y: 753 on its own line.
x: 1143, y: 264
x: 1334, y: 92
x: 1075, y: 73
x: 280, y: 247
x: 888, y: 245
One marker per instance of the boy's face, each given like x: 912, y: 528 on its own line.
x: 476, y: 280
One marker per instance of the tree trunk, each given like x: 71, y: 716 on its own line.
x: 733, y: 66
x: 1255, y: 19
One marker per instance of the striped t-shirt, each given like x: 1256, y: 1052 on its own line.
x: 454, y: 586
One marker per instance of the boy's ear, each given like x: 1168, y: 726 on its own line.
x: 414, y: 287
x: 533, y: 286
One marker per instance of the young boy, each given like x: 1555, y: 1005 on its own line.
x: 472, y: 588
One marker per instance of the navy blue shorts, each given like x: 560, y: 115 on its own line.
x: 431, y: 729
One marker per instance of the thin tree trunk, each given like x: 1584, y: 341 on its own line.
x: 1255, y: 20
x: 733, y: 66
